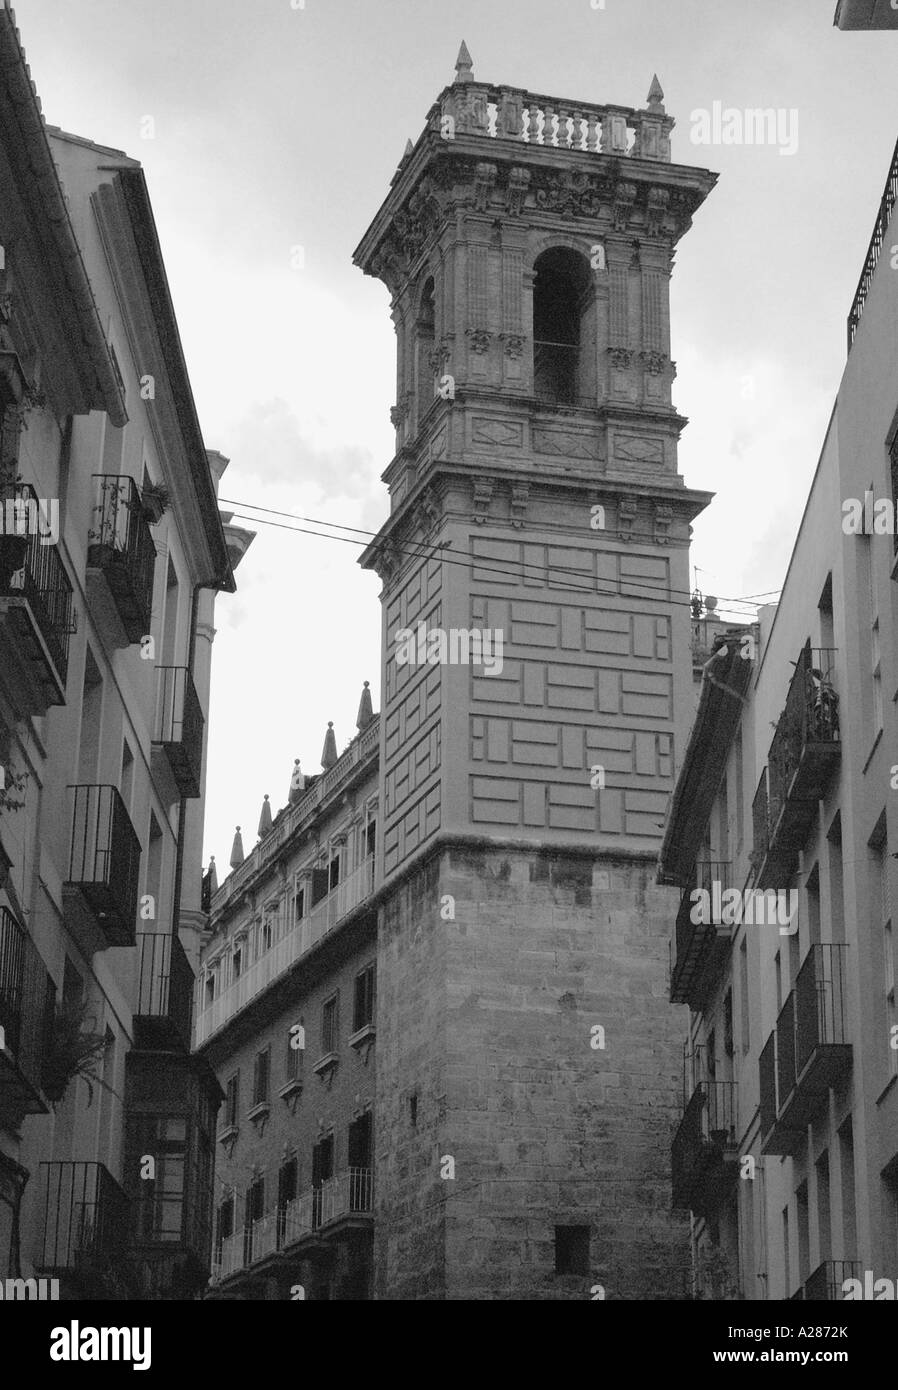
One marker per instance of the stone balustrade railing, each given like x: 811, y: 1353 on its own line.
x: 511, y: 113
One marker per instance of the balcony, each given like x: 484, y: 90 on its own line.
x: 104, y: 865
x: 703, y: 946
x: 36, y: 603
x: 803, y: 756
x: 85, y: 1221
x: 704, y: 1148
x: 164, y: 993
x: 121, y: 556
x: 293, y: 945
x: 347, y: 1199
x: 27, y: 1004
x: 812, y: 1054
x: 825, y: 1285
x: 178, y: 727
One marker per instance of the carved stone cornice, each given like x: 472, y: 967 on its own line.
x: 479, y: 339
x: 626, y: 516
x: 520, y: 497
x: 620, y: 357
x: 482, y: 495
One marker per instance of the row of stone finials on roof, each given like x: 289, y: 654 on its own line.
x: 299, y: 783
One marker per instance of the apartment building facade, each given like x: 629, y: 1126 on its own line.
x: 787, y: 1150
x: 286, y: 1018
x: 112, y: 550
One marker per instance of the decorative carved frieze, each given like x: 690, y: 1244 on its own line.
x: 657, y: 203
x: 622, y: 207
x: 626, y: 517
x: 520, y: 497
x: 564, y: 444
x: 387, y: 561
x: 505, y: 433
x: 620, y: 358
x: 482, y: 495
x: 654, y: 362
x: 631, y: 449
x: 479, y: 339
x: 663, y: 521
x: 514, y: 345
x: 516, y: 190
x: 484, y: 179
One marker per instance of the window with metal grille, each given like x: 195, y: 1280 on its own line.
x: 329, y: 1023
x: 232, y: 1100
x: 363, y: 1009
x: 261, y: 1076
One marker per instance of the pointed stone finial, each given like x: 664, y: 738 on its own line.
x: 409, y: 147
x: 297, y: 783
x: 212, y: 875
x: 656, y: 96
x: 329, y: 752
x: 265, y: 818
x: 366, y: 713
x: 464, y: 65
x: 237, y: 855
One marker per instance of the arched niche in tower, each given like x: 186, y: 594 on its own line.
x: 563, y: 327
x: 425, y: 331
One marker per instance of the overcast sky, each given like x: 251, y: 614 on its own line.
x: 278, y: 127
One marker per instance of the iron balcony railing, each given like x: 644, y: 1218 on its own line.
x: 32, y: 575
x: 555, y: 370
x: 880, y: 227
x: 821, y: 1014
x: 120, y: 544
x: 164, y: 990
x: 178, y: 726
x: 826, y: 1284
x: 85, y: 1216
x: 349, y: 1194
x: 702, y: 941
x: 811, y: 1048
x: 282, y: 954
x: 27, y: 1007
x: 705, y: 1134
x: 803, y: 755
x: 104, y: 861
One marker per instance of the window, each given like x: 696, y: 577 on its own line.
x: 333, y: 873
x: 571, y: 1249
x: 560, y: 290
x: 322, y: 1172
x: 224, y: 1225
x: 299, y: 905
x: 159, y: 1199
x: 370, y: 837
x: 255, y: 1201
x: 363, y: 1009
x: 728, y: 1024
x: 237, y: 961
x: 329, y: 1024
x: 266, y: 935
x: 893, y: 475
x: 320, y: 885
x: 413, y: 1110
x: 232, y: 1101
x: 287, y: 1182
x: 261, y: 1074
x: 209, y: 987
x: 360, y: 1136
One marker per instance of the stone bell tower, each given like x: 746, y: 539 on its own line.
x: 538, y: 522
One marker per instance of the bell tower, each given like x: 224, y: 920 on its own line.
x: 537, y: 688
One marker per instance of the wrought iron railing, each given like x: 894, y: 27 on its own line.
x: 31, y: 569
x: 85, y: 1216
x: 811, y: 715
x: 165, y: 981
x: 826, y: 1284
x: 880, y: 227
x: 121, y: 545
x: 27, y: 999
x: 179, y: 724
x: 350, y: 1193
x: 104, y: 859
x: 820, y: 1004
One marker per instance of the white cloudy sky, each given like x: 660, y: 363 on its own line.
x: 277, y: 127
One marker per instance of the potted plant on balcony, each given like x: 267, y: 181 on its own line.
x: 154, y: 498
x: 73, y: 1049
